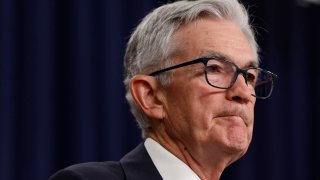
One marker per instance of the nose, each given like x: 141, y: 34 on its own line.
x: 240, y: 91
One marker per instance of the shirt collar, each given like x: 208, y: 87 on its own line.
x: 168, y: 165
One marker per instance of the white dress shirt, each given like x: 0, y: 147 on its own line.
x: 168, y: 165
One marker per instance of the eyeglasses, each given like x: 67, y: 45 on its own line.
x: 222, y: 73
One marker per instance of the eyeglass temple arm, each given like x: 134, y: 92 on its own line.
x: 273, y: 77
x: 178, y: 66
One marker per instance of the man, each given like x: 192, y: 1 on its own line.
x: 192, y: 80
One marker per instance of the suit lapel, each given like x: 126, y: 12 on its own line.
x: 137, y: 164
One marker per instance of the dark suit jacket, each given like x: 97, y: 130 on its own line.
x: 136, y: 165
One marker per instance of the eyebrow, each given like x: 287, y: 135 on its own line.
x: 222, y: 56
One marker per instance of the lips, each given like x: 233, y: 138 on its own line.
x: 233, y: 119
x: 235, y: 115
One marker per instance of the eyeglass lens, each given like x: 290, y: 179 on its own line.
x: 221, y: 74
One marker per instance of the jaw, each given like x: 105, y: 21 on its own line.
x: 225, y: 139
x: 205, y: 155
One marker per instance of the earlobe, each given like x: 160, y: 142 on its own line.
x: 147, y: 94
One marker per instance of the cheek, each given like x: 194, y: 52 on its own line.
x: 190, y: 119
x: 181, y: 112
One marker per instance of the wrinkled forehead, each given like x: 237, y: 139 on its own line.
x: 207, y: 37
x: 220, y: 55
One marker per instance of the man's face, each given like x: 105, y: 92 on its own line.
x: 203, y: 118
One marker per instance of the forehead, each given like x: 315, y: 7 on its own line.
x: 209, y: 35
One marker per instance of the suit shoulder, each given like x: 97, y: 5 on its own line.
x: 91, y: 171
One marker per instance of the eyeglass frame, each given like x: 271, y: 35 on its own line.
x: 238, y: 71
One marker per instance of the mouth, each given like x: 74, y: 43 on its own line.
x: 235, y: 120
x: 234, y: 115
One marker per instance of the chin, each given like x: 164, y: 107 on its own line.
x: 236, y: 155
x: 237, y: 144
x: 238, y: 139
x: 236, y: 148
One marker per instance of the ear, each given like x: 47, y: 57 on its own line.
x: 147, y: 94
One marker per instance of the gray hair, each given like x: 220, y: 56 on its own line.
x: 150, y: 46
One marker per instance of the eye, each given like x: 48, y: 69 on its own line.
x: 251, y: 77
x: 213, y: 68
